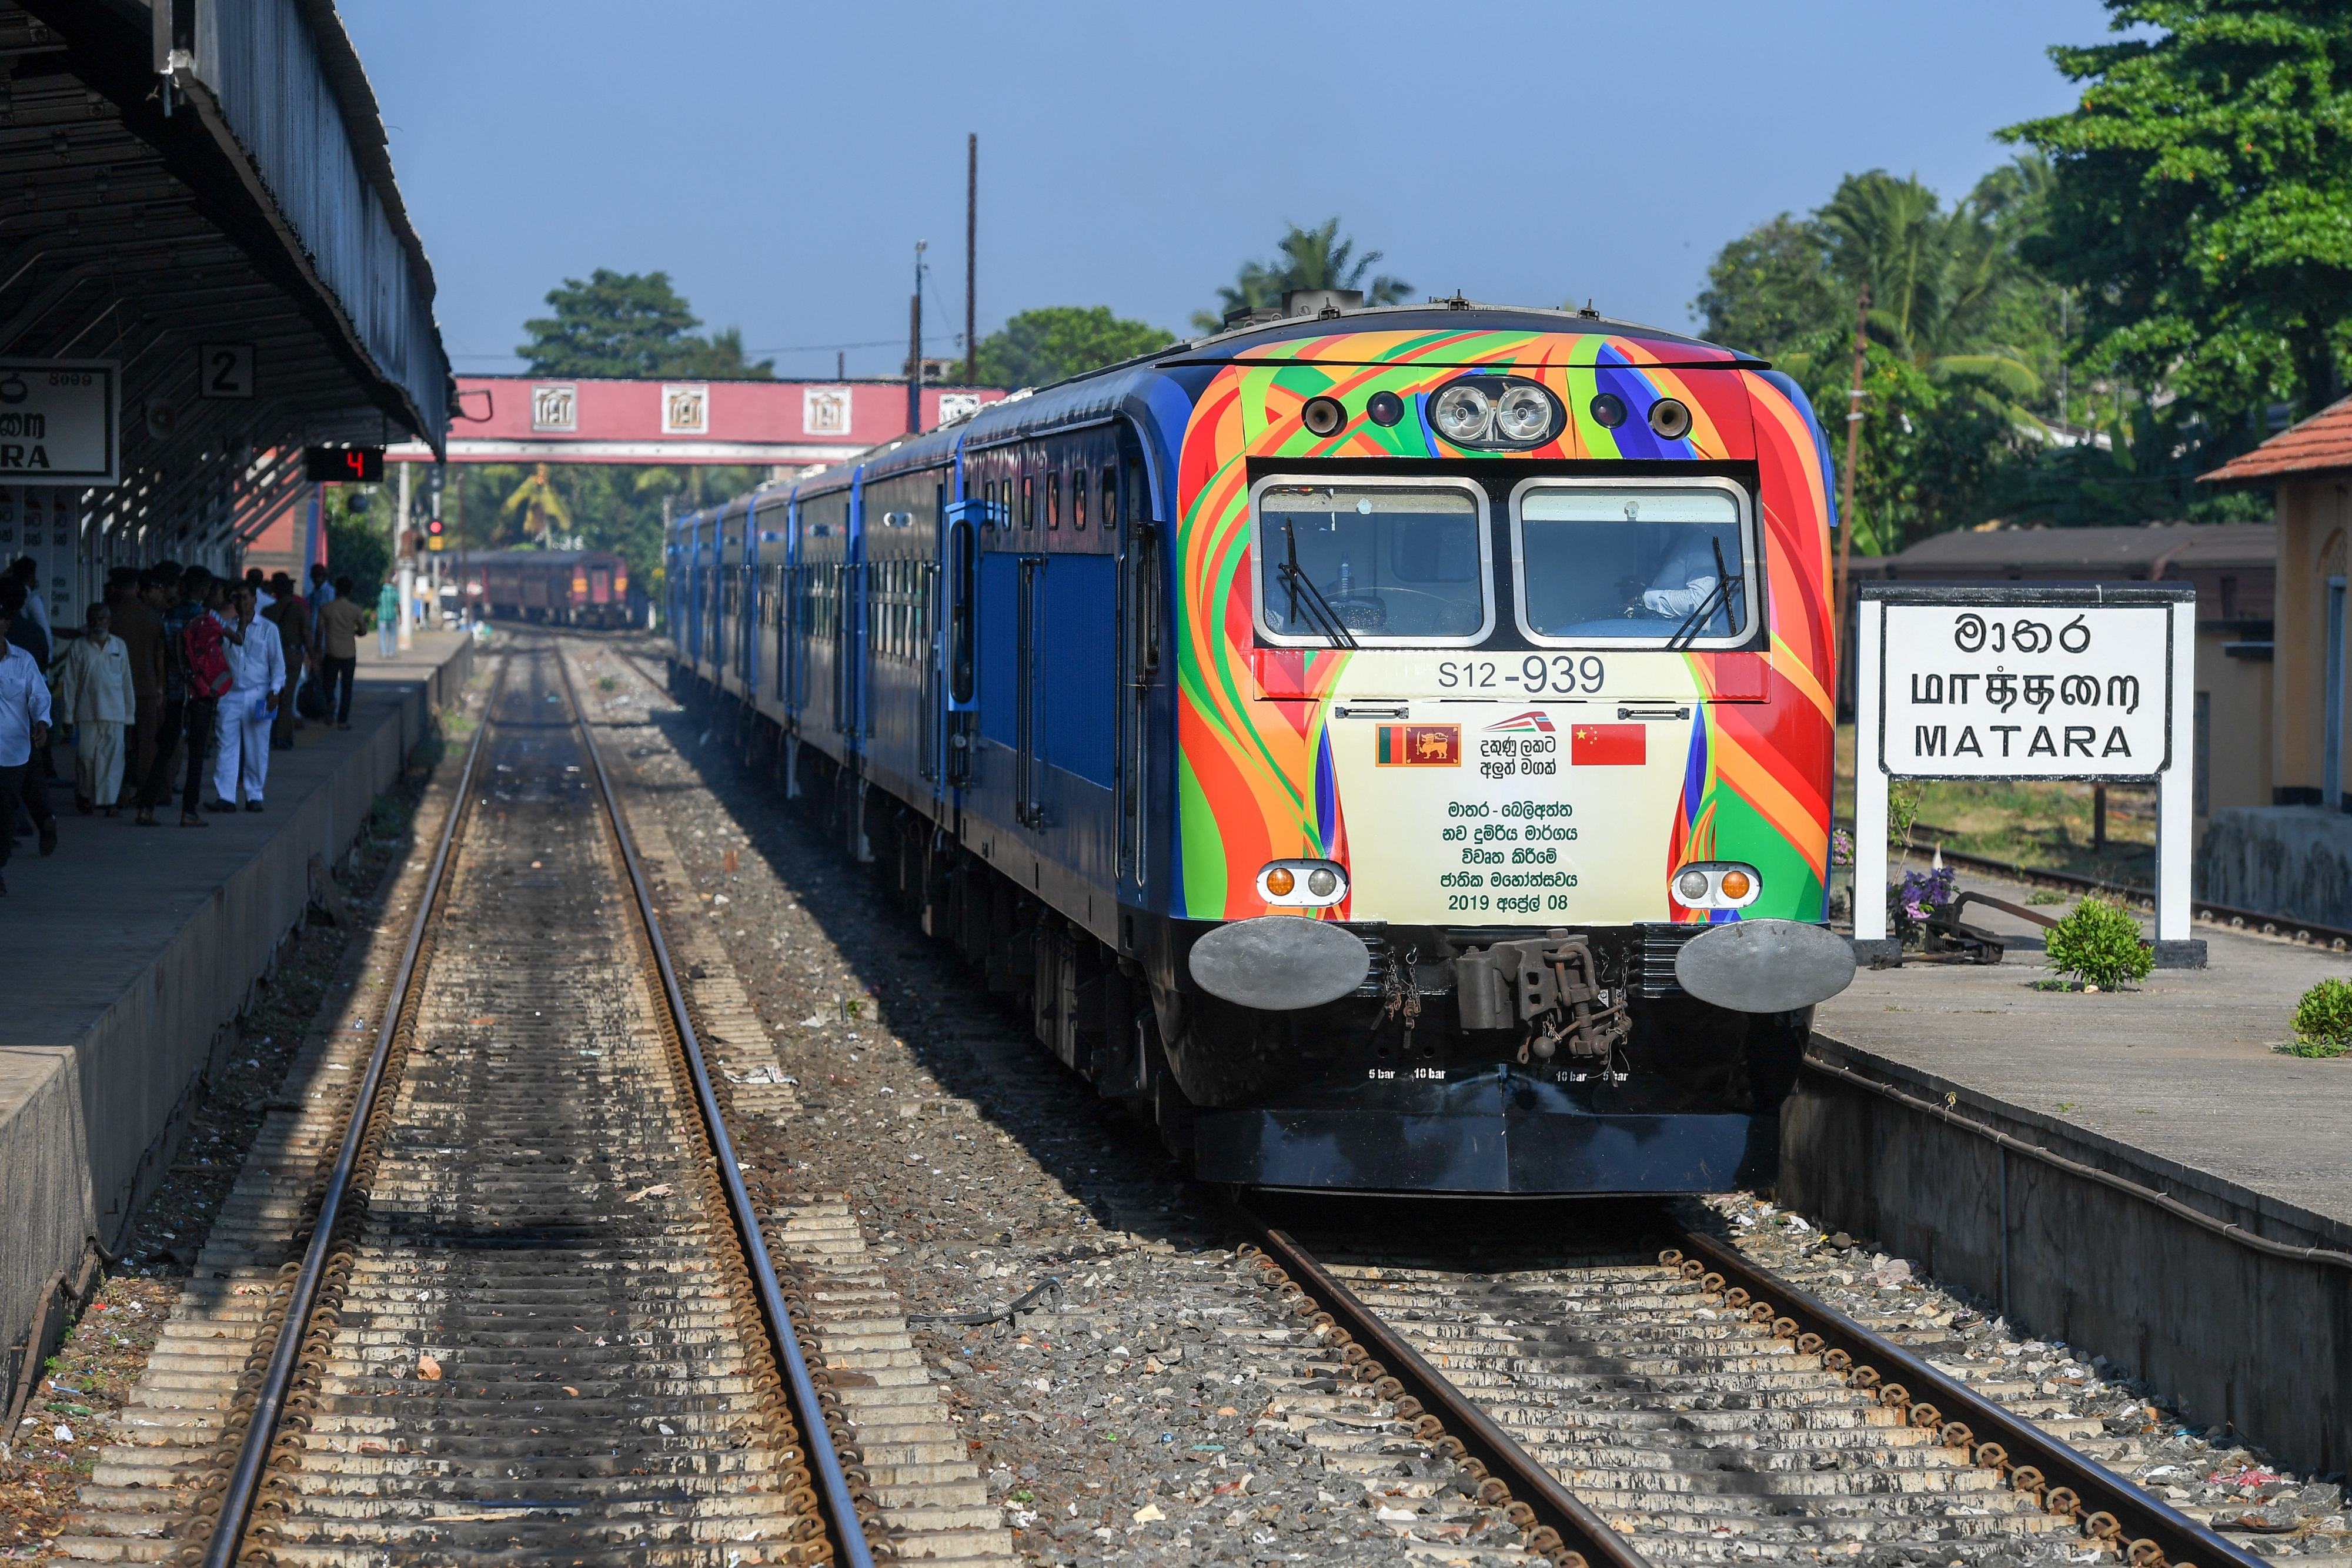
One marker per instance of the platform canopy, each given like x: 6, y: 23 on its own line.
x: 200, y: 193
x: 583, y: 419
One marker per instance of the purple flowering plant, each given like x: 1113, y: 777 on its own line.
x: 1913, y: 901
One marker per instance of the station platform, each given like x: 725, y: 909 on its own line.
x: 2093, y: 1164
x: 130, y: 951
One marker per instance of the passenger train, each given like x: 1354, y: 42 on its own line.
x: 574, y: 587
x: 1392, y: 746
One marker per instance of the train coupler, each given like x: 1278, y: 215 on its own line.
x: 1550, y: 990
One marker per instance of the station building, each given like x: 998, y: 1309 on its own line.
x: 2292, y: 851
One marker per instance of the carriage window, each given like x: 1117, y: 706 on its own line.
x: 1054, y: 500
x: 1372, y: 563
x: 1666, y: 564
x: 1078, y: 498
x: 1028, y: 500
x: 1109, y: 513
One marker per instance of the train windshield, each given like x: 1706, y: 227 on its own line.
x: 1663, y: 564
x: 1371, y: 563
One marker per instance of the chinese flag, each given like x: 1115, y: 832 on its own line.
x: 1608, y: 745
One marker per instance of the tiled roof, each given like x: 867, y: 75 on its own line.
x: 2109, y: 553
x: 2319, y: 444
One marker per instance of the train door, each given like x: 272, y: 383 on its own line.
x: 1028, y: 723
x: 929, y: 594
x: 1129, y: 501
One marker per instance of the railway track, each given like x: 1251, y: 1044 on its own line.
x: 1629, y: 1404
x: 2335, y: 937
x: 533, y: 1314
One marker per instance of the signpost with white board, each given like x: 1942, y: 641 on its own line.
x: 2006, y: 684
x: 60, y: 421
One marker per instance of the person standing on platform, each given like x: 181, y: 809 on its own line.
x: 257, y: 673
x: 203, y: 670
x: 35, y: 622
x: 388, y: 620
x: 164, y: 591
x: 139, y: 623
x: 293, y: 617
x: 339, y: 650
x: 24, y: 724
x: 95, y: 695
x: 30, y: 788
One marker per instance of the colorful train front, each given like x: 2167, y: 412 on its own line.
x: 1504, y: 729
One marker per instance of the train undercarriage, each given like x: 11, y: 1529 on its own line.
x: 1492, y: 1059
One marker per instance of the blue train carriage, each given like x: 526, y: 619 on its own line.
x: 1174, y: 695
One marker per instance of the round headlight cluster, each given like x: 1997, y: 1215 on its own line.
x: 1463, y: 414
x: 1496, y: 411
x: 1303, y: 883
x: 1716, y: 884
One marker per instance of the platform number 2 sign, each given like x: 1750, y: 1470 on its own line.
x: 224, y: 370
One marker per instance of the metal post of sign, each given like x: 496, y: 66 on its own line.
x: 1871, y: 943
x: 2175, y: 804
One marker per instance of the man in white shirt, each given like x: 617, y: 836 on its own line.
x: 257, y: 663
x: 24, y: 724
x: 94, y: 694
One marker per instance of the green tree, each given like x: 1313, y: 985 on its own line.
x: 540, y: 504
x: 359, y: 545
x: 2203, y: 202
x: 632, y: 325
x: 1771, y: 287
x: 1304, y: 258
x: 1039, y: 347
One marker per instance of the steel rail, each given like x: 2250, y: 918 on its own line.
x: 841, y: 1513
x: 1581, y: 1529
x: 269, y: 1405
x: 2205, y: 909
x: 2148, y: 1533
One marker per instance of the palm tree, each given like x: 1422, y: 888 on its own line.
x: 1937, y: 279
x: 1307, y: 258
x: 540, y: 502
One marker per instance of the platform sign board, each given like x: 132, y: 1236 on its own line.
x: 2028, y: 682
x: 225, y: 371
x: 1998, y: 691
x: 60, y: 421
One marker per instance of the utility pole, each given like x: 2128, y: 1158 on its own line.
x: 403, y: 563
x: 1853, y: 452
x: 970, y: 256
x: 915, y: 346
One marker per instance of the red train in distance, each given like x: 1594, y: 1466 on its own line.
x: 567, y: 588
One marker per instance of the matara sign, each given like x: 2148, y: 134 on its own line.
x: 2093, y: 683
x: 60, y: 421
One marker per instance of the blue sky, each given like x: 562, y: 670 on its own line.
x: 780, y: 160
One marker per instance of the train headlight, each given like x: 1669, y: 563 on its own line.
x: 1463, y: 414
x: 1524, y: 415
x: 1716, y: 884
x: 1302, y: 883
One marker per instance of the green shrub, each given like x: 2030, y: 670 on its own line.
x: 2323, y: 1020
x: 2099, y: 942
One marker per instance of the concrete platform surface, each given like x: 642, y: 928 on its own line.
x: 129, y: 949
x: 2177, y: 1079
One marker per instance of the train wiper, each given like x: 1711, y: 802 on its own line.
x: 1725, y: 585
x: 1325, y: 618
